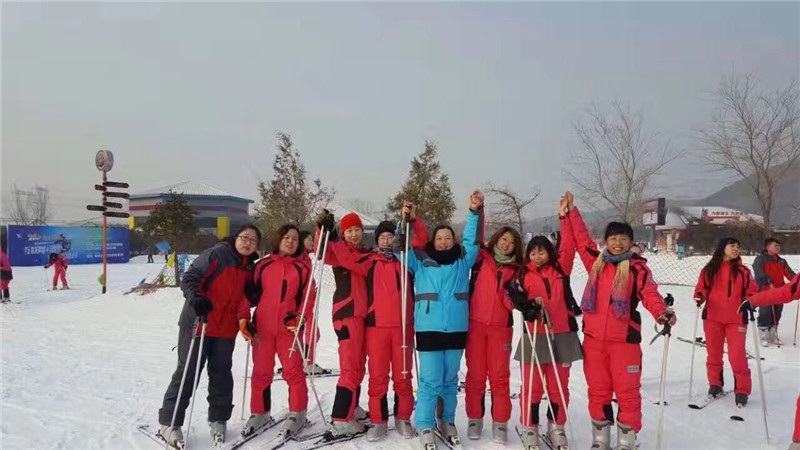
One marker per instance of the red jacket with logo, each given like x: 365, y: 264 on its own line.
x: 601, y: 324
x: 724, y: 294
x: 283, y: 281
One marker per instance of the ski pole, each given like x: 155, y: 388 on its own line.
x: 183, y: 377
x: 295, y: 341
x: 532, y: 343
x: 555, y: 370
x: 662, y: 388
x: 246, y: 368
x: 403, y: 293
x: 694, y: 346
x: 198, y: 364
x: 760, y: 374
x: 796, y: 317
x: 314, y: 324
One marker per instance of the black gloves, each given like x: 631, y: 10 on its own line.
x: 531, y: 311
x: 202, y: 305
x: 325, y: 219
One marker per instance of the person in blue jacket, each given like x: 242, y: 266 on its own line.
x: 441, y: 319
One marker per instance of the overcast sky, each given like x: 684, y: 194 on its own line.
x: 197, y: 91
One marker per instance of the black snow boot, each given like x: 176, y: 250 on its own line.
x: 714, y: 391
x: 741, y: 400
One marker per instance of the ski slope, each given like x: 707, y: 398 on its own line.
x: 80, y: 370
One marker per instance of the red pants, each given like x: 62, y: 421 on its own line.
x: 264, y: 351
x: 488, y: 355
x: 736, y: 335
x: 60, y: 273
x: 796, y: 435
x: 384, y: 348
x: 614, y: 368
x: 352, y: 367
x: 532, y: 417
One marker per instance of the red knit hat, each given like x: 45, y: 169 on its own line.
x: 351, y: 220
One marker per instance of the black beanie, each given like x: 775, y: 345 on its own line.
x: 618, y: 228
x: 383, y: 227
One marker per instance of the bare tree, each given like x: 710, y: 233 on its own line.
x: 29, y: 207
x: 509, y: 207
x: 755, y: 134
x: 618, y: 161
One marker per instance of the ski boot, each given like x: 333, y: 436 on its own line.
x: 218, y: 432
x: 376, y: 432
x: 172, y: 436
x: 404, y: 427
x: 499, y: 432
x: 347, y: 428
x: 427, y: 439
x: 474, y: 429
x: 741, y: 400
x: 295, y: 422
x: 530, y: 438
x: 763, y: 335
x: 449, y: 432
x: 557, y: 436
x: 626, y: 437
x: 255, y: 422
x: 601, y: 435
x: 359, y: 414
x: 714, y: 391
x: 314, y: 369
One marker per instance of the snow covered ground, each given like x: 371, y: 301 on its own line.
x: 80, y: 370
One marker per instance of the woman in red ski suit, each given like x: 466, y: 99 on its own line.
x: 781, y: 295
x: 281, y: 280
x: 215, y: 288
x: 5, y: 277
x: 546, y: 293
x: 349, y: 311
x: 384, y: 327
x: 618, y: 281
x: 488, y: 349
x: 722, y: 287
x: 60, y: 262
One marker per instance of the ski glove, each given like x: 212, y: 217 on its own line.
x: 248, y: 329
x: 745, y: 307
x: 531, y: 311
x: 516, y: 293
x: 202, y: 305
x: 699, y: 300
x: 667, y: 317
x: 325, y: 219
x: 291, y: 321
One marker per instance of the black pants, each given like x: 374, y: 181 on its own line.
x: 766, y: 318
x: 218, y: 352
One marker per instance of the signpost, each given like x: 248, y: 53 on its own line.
x: 104, y: 161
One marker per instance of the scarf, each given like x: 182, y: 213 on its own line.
x: 501, y: 258
x: 620, y: 295
x: 444, y: 258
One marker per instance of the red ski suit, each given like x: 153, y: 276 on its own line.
x: 283, y: 281
x: 5, y: 271
x: 349, y: 312
x: 782, y: 295
x: 488, y: 349
x: 551, y: 283
x: 612, y: 354
x: 722, y: 322
x: 384, y: 332
x: 60, y: 270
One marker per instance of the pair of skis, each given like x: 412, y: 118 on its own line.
x: 709, y: 400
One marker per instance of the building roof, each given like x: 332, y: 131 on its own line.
x: 339, y: 210
x: 189, y: 189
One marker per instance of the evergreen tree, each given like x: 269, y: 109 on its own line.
x: 171, y: 221
x: 428, y: 187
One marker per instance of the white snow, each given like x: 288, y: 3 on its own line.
x: 80, y: 370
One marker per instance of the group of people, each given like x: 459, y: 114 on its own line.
x: 443, y: 298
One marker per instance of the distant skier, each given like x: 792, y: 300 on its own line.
x: 214, y: 289
x: 618, y: 281
x: 60, y: 262
x: 5, y: 277
x: 770, y: 270
x: 723, y: 284
x: 149, y: 254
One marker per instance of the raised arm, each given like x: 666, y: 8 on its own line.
x: 358, y: 263
x: 584, y: 244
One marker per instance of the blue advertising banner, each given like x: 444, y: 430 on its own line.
x: 31, y: 246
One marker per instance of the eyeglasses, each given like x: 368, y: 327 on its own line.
x: 247, y: 239
x: 385, y: 238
